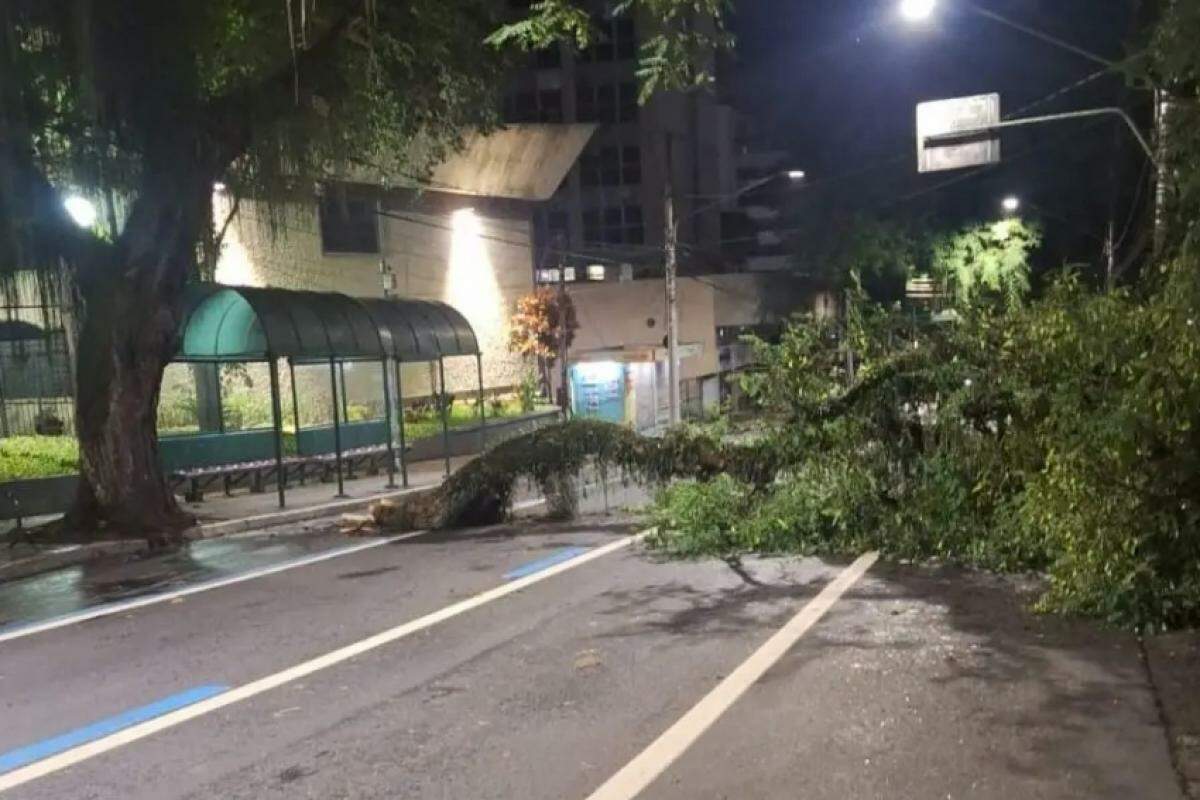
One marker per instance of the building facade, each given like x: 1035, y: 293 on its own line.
x: 610, y: 208
x: 618, y: 361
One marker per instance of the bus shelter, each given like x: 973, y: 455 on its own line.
x: 233, y: 324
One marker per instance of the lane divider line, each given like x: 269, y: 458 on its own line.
x: 639, y: 773
x: 246, y: 691
x: 557, y: 557
x: 54, y: 745
x: 108, y: 609
x: 20, y: 630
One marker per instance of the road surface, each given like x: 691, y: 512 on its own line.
x: 542, y: 661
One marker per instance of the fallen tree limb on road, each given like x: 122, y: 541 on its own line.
x: 481, y: 492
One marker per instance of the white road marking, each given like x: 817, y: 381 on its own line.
x: 76, y: 755
x: 639, y: 773
x: 121, y: 607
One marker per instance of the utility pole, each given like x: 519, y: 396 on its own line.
x: 670, y: 235
x: 1110, y: 257
x: 564, y: 398
x: 1162, y: 177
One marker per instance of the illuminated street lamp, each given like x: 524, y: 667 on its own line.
x: 917, y: 10
x: 81, y: 210
x: 1011, y: 204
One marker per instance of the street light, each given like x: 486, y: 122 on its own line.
x: 1011, y: 204
x: 81, y: 210
x: 917, y: 10
x: 920, y: 10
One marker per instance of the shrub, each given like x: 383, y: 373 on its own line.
x: 529, y: 391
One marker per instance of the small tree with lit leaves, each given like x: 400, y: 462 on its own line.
x: 536, y: 329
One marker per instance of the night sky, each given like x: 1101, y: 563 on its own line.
x: 836, y: 83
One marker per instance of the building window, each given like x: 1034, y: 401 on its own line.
x: 348, y: 225
x: 544, y: 106
x: 631, y: 166
x: 616, y: 39
x: 550, y: 106
x: 548, y: 57
x: 627, y: 109
x: 612, y: 166
x: 555, y: 227
x: 614, y: 225
x: 606, y: 102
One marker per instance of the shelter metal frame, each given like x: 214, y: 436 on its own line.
x: 234, y: 324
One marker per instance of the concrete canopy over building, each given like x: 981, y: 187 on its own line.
x: 518, y: 162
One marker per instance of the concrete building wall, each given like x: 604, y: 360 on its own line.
x: 633, y: 315
x: 748, y: 299
x: 477, y: 259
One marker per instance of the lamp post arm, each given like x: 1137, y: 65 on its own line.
x: 974, y: 134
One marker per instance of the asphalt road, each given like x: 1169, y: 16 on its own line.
x: 914, y: 684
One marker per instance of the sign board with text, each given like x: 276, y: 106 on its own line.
x: 959, y: 114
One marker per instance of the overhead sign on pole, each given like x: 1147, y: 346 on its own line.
x: 942, y: 117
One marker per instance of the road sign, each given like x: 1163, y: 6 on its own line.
x: 942, y: 117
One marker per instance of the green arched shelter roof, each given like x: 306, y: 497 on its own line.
x: 239, y: 323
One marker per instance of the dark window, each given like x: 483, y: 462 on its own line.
x: 606, y: 103
x: 626, y: 37
x: 614, y: 225
x: 589, y: 169
x: 558, y: 226
x: 534, y: 107
x: 585, y: 103
x: 348, y: 225
x: 628, y: 110
x: 610, y: 166
x: 524, y: 107
x: 631, y: 166
x: 610, y: 103
x: 635, y: 231
x: 591, y: 227
x: 615, y: 39
x: 550, y: 106
x: 548, y: 57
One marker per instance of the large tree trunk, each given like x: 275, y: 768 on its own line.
x: 128, y: 336
x: 124, y: 347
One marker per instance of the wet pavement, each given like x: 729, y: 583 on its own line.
x: 117, y: 579
x: 915, y: 683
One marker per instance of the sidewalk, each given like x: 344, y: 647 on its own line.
x: 221, y: 516
x: 1174, y: 663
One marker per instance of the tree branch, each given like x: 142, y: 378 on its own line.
x: 230, y: 115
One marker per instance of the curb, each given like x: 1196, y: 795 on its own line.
x: 229, y: 527
x: 72, y: 555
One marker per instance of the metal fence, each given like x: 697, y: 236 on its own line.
x: 36, y: 380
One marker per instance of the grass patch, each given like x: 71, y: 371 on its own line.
x: 23, y: 457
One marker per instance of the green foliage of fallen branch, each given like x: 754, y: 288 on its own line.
x: 1061, y: 436
x: 481, y: 492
